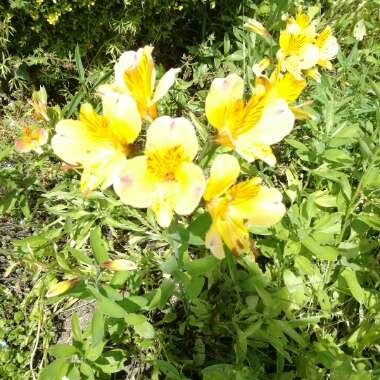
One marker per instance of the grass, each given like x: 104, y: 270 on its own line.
x: 307, y: 308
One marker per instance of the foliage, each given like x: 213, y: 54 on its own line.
x: 306, y: 308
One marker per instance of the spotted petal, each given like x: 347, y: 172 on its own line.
x: 134, y: 186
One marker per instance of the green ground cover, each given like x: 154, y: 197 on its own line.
x: 307, y: 308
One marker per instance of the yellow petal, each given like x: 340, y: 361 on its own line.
x: 258, y: 68
x: 309, y: 56
x: 103, y: 170
x: 74, y: 144
x: 165, y: 133
x: 166, y: 197
x: 234, y: 234
x: 265, y: 209
x: 123, y: 117
x: 134, y: 186
x: 94, y: 123
x: 61, y: 287
x: 253, y: 110
x: 191, y: 187
x: 119, y: 265
x: 276, y: 122
x: 329, y: 49
x: 323, y: 36
x: 135, y: 72
x: 224, y: 99
x: 300, y: 114
x: 289, y: 88
x: 252, y: 151
x: 314, y: 73
x: 214, y: 242
x: 164, y: 84
x: 223, y: 173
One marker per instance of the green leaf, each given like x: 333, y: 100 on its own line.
x: 295, y: 287
x: 370, y: 219
x: 198, y: 229
x: 321, y: 252
x: 162, y: 294
x: 168, y: 370
x: 202, y: 266
x: 55, y: 370
x: 110, y: 308
x: 78, y: 63
x: 194, y: 287
x: 219, y: 372
x: 81, y: 256
x: 75, y: 327
x: 140, y: 325
x: 97, y: 327
x: 62, y: 350
x: 112, y: 361
x: 98, y: 246
x: 353, y: 284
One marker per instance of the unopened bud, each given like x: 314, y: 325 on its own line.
x: 61, y: 287
x: 119, y: 265
x: 257, y: 27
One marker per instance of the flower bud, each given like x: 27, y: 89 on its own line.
x: 257, y: 27
x: 61, y: 287
x: 119, y: 265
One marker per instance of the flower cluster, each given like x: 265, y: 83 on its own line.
x: 165, y: 177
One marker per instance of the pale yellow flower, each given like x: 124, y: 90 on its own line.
x: 234, y: 207
x: 164, y: 178
x: 135, y: 74
x: 298, y: 51
x: 266, y: 119
x: 32, y: 140
x: 301, y: 49
x: 328, y: 48
x: 99, y: 143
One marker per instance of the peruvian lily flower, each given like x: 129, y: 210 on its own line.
x: 328, y: 48
x: 99, y: 143
x: 164, y: 178
x: 265, y: 120
x: 298, y: 51
x: 135, y: 74
x: 31, y: 140
x: 236, y: 206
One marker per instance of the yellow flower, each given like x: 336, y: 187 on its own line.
x: 234, y: 207
x: 99, y: 143
x: 135, y: 74
x: 164, y: 178
x: 31, y: 140
x: 297, y: 49
x: 265, y: 120
x: 328, y: 48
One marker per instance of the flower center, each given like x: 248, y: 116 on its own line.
x: 163, y: 164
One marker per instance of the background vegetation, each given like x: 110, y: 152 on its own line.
x: 308, y: 308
